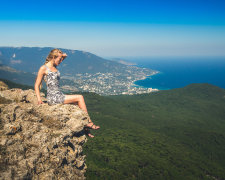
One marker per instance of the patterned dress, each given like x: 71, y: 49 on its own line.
x: 54, y: 95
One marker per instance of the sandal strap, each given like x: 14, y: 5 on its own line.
x: 92, y: 124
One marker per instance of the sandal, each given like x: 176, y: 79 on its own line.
x: 92, y: 126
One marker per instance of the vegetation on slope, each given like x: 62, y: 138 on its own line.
x: 171, y: 134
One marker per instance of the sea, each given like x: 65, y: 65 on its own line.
x: 179, y: 72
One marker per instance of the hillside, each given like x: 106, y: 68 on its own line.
x: 16, y: 76
x: 171, y: 134
x: 29, y: 59
x: 28, y: 79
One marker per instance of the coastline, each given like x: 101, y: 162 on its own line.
x: 176, y: 74
x: 145, y: 77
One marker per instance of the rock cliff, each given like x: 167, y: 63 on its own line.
x: 40, y: 141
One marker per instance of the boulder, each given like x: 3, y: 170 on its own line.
x: 40, y: 141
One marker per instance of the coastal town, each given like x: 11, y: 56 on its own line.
x: 113, y: 83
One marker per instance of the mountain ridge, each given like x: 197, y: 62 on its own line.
x: 17, y: 57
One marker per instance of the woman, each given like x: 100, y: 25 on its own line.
x: 51, y: 76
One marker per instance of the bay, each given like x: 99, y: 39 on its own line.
x: 179, y: 72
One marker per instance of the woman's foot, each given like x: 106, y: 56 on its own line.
x: 90, y: 135
x: 92, y: 126
x: 87, y: 132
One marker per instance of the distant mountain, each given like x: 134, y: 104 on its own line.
x: 123, y: 61
x: 14, y: 75
x: 12, y: 84
x: 29, y: 59
x: 26, y: 78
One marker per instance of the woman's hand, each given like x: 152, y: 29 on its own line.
x: 40, y: 102
x: 64, y: 55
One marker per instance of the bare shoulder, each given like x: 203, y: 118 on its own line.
x: 43, y: 69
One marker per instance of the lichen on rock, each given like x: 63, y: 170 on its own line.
x: 40, y: 141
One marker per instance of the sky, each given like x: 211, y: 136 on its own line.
x: 117, y: 28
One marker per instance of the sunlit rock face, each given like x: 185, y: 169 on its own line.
x: 40, y: 141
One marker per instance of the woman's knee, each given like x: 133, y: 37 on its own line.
x: 78, y: 97
x: 81, y: 97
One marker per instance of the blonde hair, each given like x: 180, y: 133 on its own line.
x: 52, y: 55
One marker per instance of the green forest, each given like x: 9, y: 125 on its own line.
x: 169, y: 134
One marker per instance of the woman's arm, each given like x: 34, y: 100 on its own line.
x: 38, y: 82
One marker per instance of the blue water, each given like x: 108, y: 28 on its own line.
x: 179, y: 72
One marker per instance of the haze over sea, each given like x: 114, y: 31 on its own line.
x: 179, y: 72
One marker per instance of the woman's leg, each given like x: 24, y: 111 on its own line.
x: 79, y: 99
x: 71, y: 99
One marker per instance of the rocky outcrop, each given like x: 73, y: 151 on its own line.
x: 40, y: 141
x: 3, y: 86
